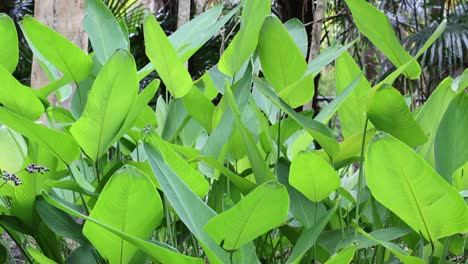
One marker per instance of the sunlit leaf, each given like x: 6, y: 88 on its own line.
x: 265, y: 208
x: 129, y: 203
x: 404, y: 183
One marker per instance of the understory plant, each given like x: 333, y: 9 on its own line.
x: 225, y: 170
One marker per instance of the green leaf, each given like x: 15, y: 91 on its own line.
x: 451, y: 141
x: 60, y: 222
x: 352, y: 110
x: 191, y: 210
x: 316, y: 129
x: 165, y: 59
x: 194, y: 101
x: 157, y: 250
x: 298, y: 33
x: 344, y: 256
x: 313, y: 176
x: 259, y: 167
x: 389, y: 112
x: 109, y: 102
x: 302, y: 208
x: 129, y: 203
x: 192, y: 178
x: 404, y: 183
x: 192, y: 35
x: 309, y: 236
x: 430, y: 115
x: 104, y: 31
x: 263, y: 209
x: 14, y: 148
x: 397, y: 251
x: 8, y: 43
x: 19, y: 98
x: 402, y: 69
x: 283, y: 63
x: 328, y: 111
x: 54, y: 49
x: 141, y: 102
x: 246, y: 39
x: 244, y: 185
x: 375, y: 25
x: 61, y: 145
x: 39, y: 257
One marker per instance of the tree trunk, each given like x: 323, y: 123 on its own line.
x: 64, y: 17
x: 315, y: 36
x: 183, y: 12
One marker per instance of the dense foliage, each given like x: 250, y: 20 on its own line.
x: 225, y: 170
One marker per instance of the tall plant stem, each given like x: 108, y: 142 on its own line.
x: 81, y: 195
x: 278, y: 141
x: 361, y: 175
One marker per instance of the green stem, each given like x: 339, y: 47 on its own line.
x: 361, y: 174
x: 278, y: 143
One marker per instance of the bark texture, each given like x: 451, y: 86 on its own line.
x: 183, y: 13
x: 64, y: 17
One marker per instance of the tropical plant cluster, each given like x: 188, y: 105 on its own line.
x: 225, y: 169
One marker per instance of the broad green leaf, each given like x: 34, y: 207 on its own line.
x: 430, y: 115
x: 316, y: 129
x: 328, y: 111
x: 394, y: 75
x: 22, y: 203
x: 404, y: 183
x: 313, y: 176
x: 298, y: 33
x: 19, y: 98
x: 283, y: 63
x: 309, y: 236
x: 352, y: 111
x: 157, y: 250
x: 200, y: 108
x: 54, y: 49
x: 460, y: 178
x: 60, y: 222
x: 388, y: 112
x: 188, y: 206
x: 302, y: 208
x: 461, y: 82
x: 8, y: 43
x: 141, y: 101
x: 263, y: 209
x: 259, y: 167
x: 397, y: 251
x: 105, y: 33
x: 375, y: 25
x: 109, y: 102
x: 129, y: 203
x: 451, y: 141
x: 344, y: 256
x: 189, y: 38
x: 191, y: 178
x: 58, y: 143
x: 165, y: 59
x: 246, y: 39
x: 14, y: 148
x: 192, y: 35
x: 326, y: 57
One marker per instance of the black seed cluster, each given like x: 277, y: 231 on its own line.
x: 11, y: 177
x: 33, y: 168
